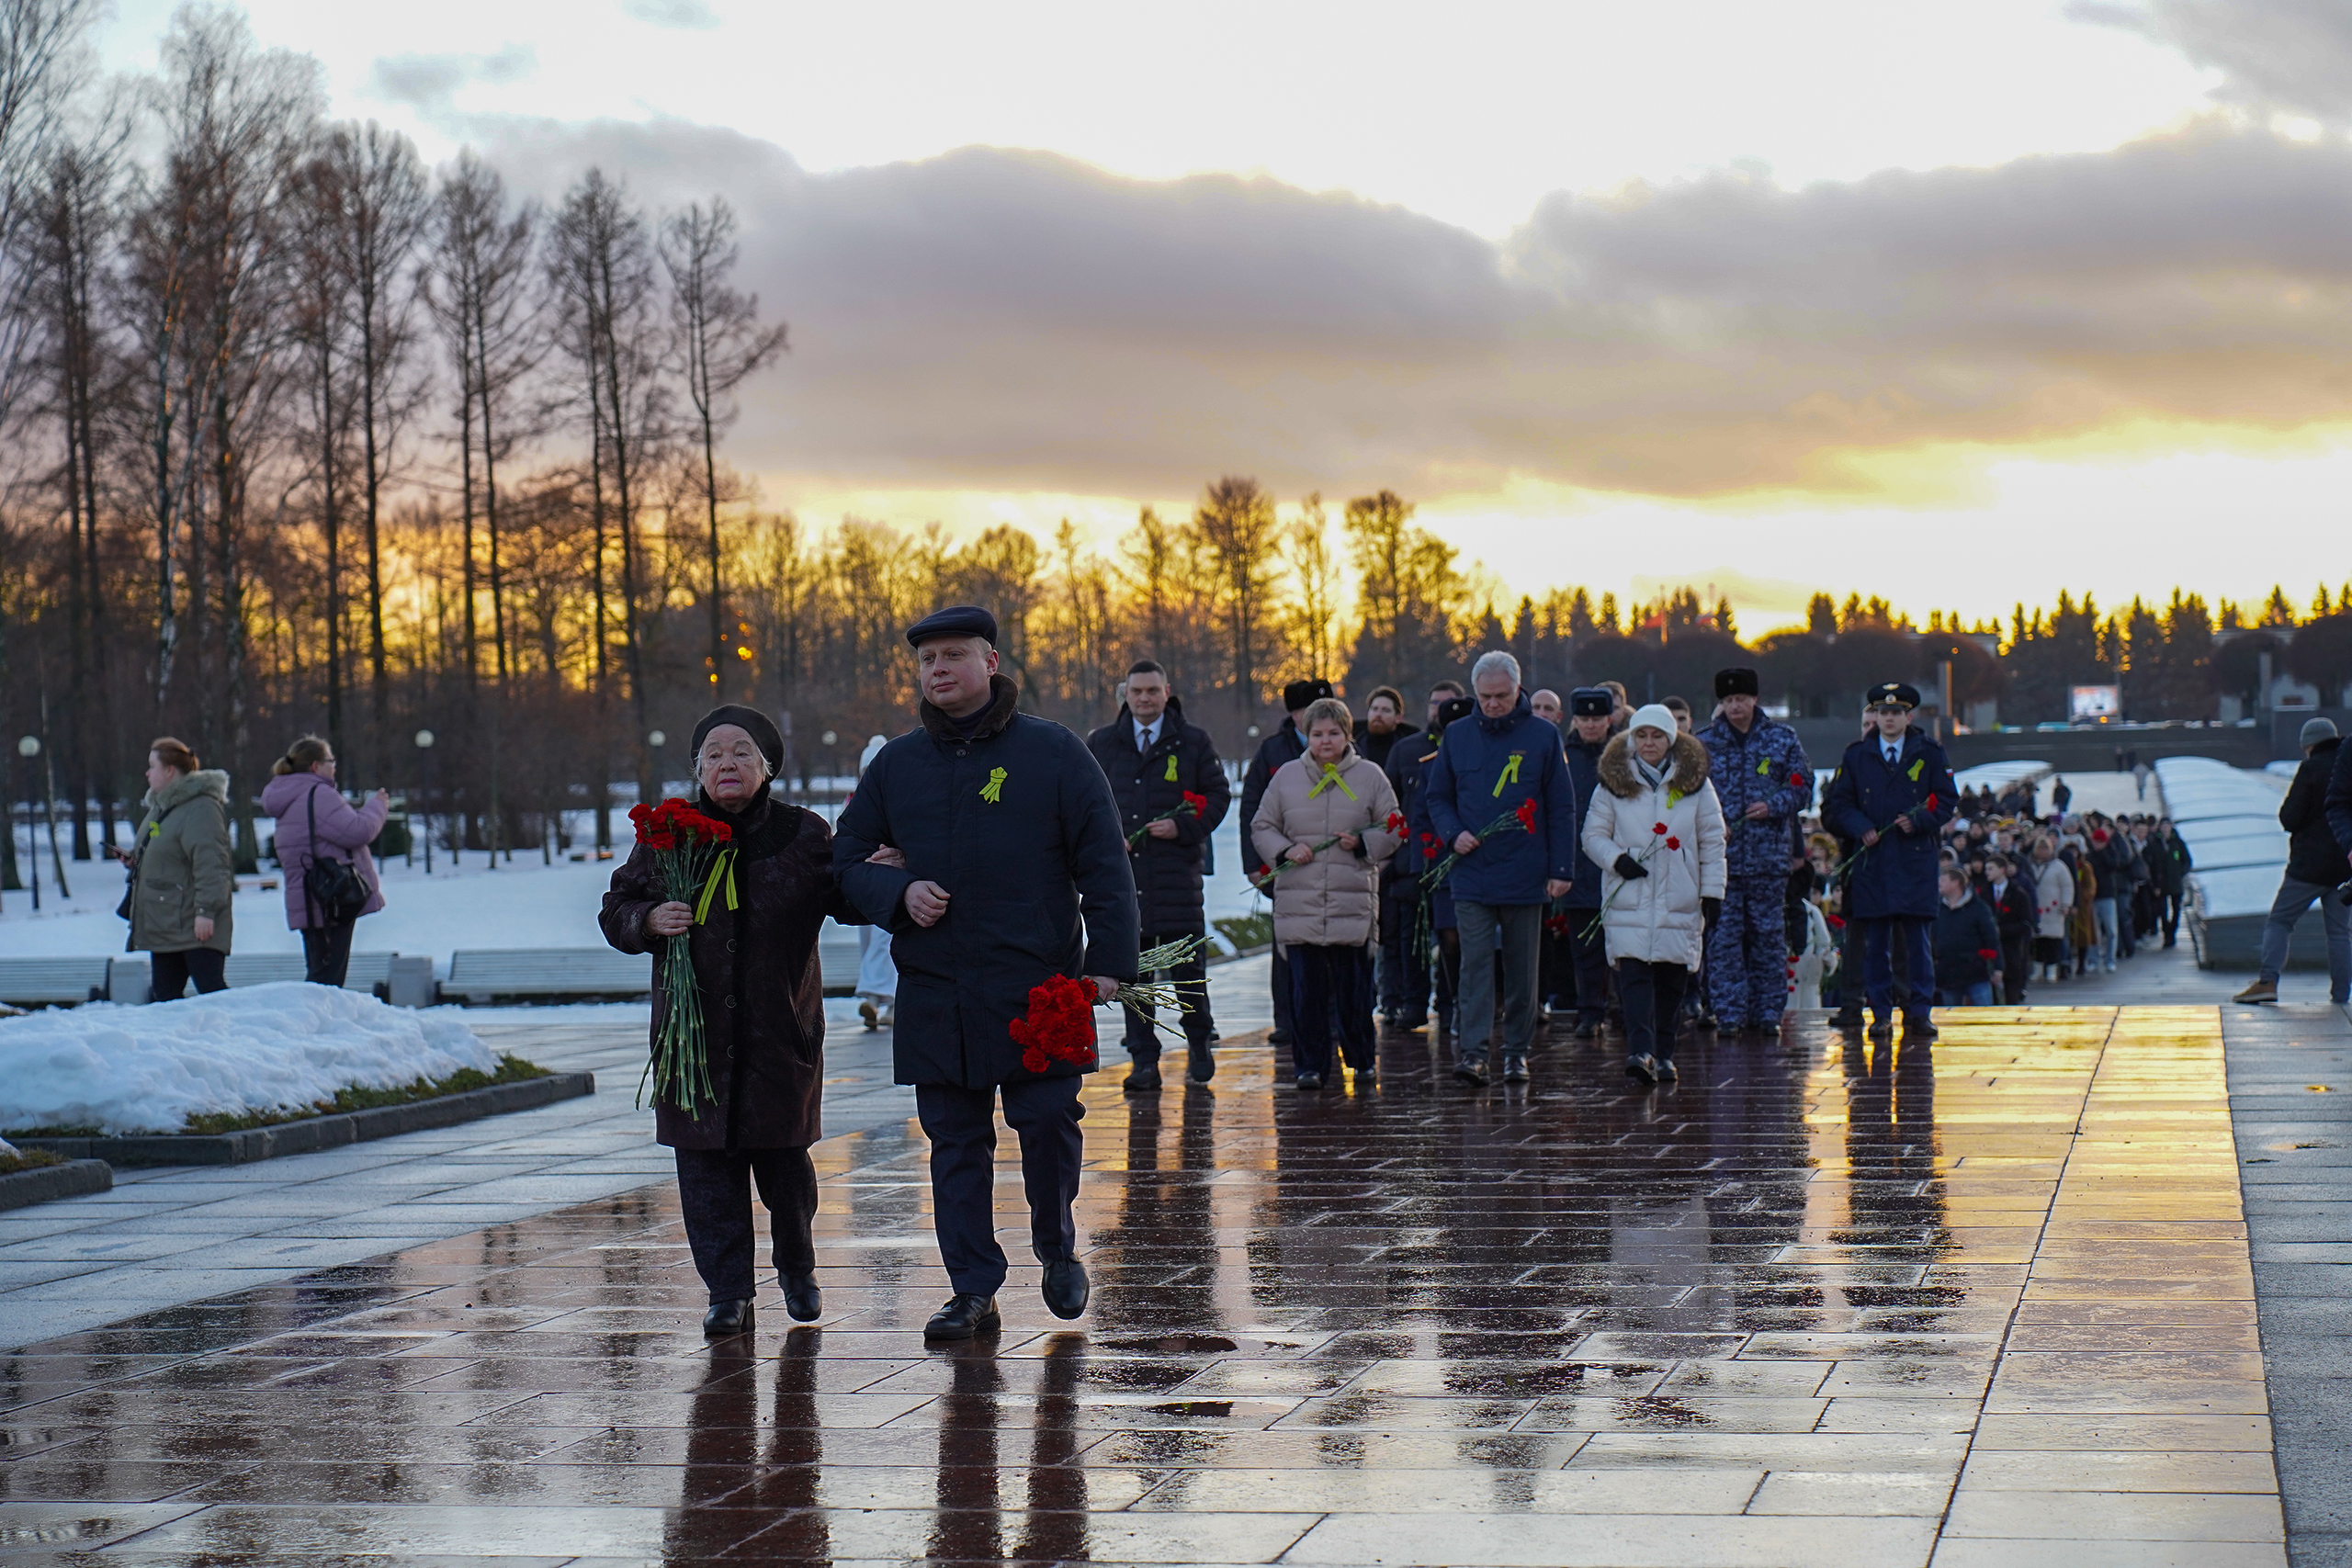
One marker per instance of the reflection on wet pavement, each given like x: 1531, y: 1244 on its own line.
x: 1820, y: 1304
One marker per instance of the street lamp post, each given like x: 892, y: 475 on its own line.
x: 829, y: 738
x: 28, y: 748
x: 425, y: 744
x: 655, y: 741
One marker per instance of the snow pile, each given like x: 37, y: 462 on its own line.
x: 282, y: 1048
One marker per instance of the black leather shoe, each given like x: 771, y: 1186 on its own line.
x: 1665, y: 1073
x: 962, y: 1317
x: 1514, y: 1069
x: 1199, y: 1062
x: 1142, y: 1079
x: 1589, y: 1028
x: 1846, y: 1018
x: 802, y: 1299
x: 726, y: 1318
x: 1470, y: 1072
x: 1412, y: 1022
x: 1310, y: 1080
x: 1641, y: 1065
x: 1066, y: 1287
x: 1918, y: 1026
x: 1883, y: 1029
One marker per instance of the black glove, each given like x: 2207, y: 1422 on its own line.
x: 1710, y: 908
x: 1629, y: 868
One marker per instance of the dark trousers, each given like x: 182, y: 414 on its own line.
x: 1879, y: 938
x: 1652, y: 994
x: 2016, y: 965
x: 1278, y: 978
x: 326, y: 959
x: 1404, y: 959
x: 715, y: 1192
x: 1143, y: 1036
x: 1330, y: 992
x: 1448, y: 973
x: 173, y: 971
x: 961, y: 1124
x: 1587, y: 947
x: 2172, y: 916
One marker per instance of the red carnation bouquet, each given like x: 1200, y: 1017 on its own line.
x: 1520, y: 819
x: 1659, y: 839
x: 1192, y: 805
x: 1059, y: 1025
x: 694, y: 855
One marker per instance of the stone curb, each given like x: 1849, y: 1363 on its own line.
x: 71, y: 1180
x: 315, y: 1133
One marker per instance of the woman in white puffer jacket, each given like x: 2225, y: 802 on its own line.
x: 1656, y: 831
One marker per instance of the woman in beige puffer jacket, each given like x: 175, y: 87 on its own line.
x: 1327, y: 821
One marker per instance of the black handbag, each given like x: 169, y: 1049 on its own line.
x: 333, y: 887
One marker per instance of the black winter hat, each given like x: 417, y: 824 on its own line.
x: 956, y: 620
x: 1900, y: 693
x: 1592, y: 702
x: 1298, y: 694
x: 1455, y: 709
x: 1735, y: 681
x: 757, y: 725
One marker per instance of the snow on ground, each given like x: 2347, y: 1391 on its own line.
x: 522, y: 903
x: 129, y: 1069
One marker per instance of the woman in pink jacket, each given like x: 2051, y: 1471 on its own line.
x: 303, y: 791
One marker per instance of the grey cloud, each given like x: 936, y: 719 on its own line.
x: 1003, y: 319
x: 672, y: 13
x: 2286, y: 54
x: 429, y: 80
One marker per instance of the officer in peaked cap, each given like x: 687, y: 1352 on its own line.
x: 1579, y: 951
x: 1893, y: 794
x: 1015, y: 870
x: 1760, y: 773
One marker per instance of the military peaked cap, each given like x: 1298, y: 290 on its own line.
x: 1901, y: 693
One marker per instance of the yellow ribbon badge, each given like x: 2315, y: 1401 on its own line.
x: 1764, y: 768
x: 1510, y: 773
x: 1916, y: 767
x: 1172, y: 767
x: 1331, y: 776
x: 724, y: 864
x: 993, y: 791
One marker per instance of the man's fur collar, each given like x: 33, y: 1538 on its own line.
x: 1618, y: 777
x: 1004, y: 701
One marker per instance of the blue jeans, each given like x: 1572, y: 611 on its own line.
x: 2103, y: 913
x: 1975, y: 994
x: 2294, y: 900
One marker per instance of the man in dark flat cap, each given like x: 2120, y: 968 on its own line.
x: 1759, y: 768
x: 1893, y: 794
x: 1284, y: 745
x: 1014, y: 870
x: 1582, y: 956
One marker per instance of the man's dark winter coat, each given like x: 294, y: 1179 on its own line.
x: 1016, y: 821
x: 2314, y: 853
x: 2339, y: 805
x: 2014, y: 912
x: 1182, y: 761
x: 762, y: 997
x: 1583, y: 760
x: 1284, y: 745
x: 1895, y: 878
x: 1483, y: 767
x: 1407, y: 770
x: 1963, y: 936
x: 1374, y: 749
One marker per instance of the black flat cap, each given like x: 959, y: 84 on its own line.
x: 1735, y: 681
x: 1455, y: 709
x: 956, y: 620
x: 757, y: 725
x: 1899, y: 693
x: 1592, y: 702
x: 1298, y: 694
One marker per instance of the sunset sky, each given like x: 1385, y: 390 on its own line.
x: 1954, y: 304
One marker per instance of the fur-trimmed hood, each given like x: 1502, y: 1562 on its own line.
x: 1618, y: 777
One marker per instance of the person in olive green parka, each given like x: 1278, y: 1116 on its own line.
x: 181, y: 881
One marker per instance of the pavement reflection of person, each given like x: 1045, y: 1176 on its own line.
x: 792, y: 1471
x: 1897, y: 1198
x: 722, y: 1448
x: 1056, y: 1526
x: 969, y: 1526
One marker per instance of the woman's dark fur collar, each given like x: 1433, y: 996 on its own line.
x: 1690, y: 759
x: 761, y: 828
x: 1004, y: 701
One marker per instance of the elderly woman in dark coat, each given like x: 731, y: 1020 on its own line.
x: 762, y: 1002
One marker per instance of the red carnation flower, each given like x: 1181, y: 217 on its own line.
x: 1526, y: 814
x: 1658, y: 828
x: 1672, y: 843
x: 1988, y: 954
x: 1835, y: 923
x: 1199, y: 803
x: 1797, y: 780
x: 1059, y: 1025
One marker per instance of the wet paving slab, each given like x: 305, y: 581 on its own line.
x: 1987, y: 1301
